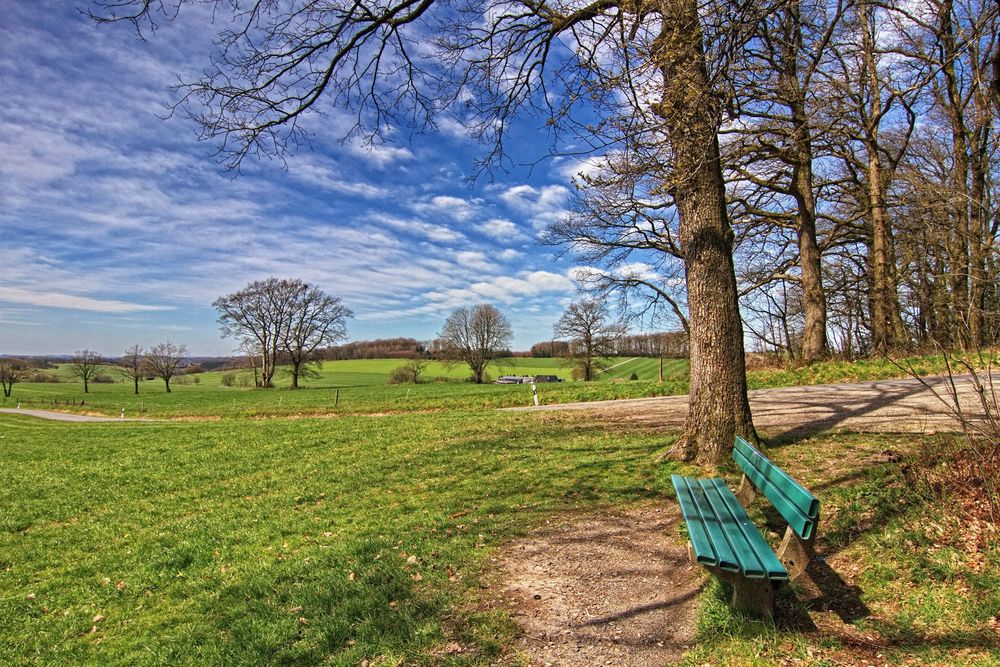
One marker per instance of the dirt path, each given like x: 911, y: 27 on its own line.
x: 61, y: 416
x: 612, y: 589
x: 890, y: 406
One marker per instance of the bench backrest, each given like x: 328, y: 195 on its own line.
x: 799, y: 507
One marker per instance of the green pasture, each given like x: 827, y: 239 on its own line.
x: 343, y: 387
x: 281, y: 541
x: 361, y: 387
x: 299, y: 528
x: 368, y: 538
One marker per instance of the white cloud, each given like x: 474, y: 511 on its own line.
x: 316, y: 172
x: 506, y: 289
x: 474, y: 259
x: 501, y: 229
x: 570, y: 168
x: 543, y: 206
x: 509, y: 254
x: 73, y: 302
x: 379, y: 155
x: 432, y: 232
x: 452, y: 128
x: 455, y: 208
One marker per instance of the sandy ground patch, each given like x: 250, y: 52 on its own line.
x: 611, y: 589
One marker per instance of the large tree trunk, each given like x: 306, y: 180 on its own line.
x: 814, y: 343
x: 719, y: 409
x: 888, y: 332
x: 958, y: 208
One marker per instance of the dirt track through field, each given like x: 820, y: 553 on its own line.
x: 888, y: 406
x: 61, y: 416
x: 607, y: 589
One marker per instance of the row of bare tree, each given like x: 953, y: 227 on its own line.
x: 863, y: 176
x: 162, y: 361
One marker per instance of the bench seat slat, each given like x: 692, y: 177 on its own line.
x: 721, y: 533
x: 732, y: 529
x: 700, y: 542
x: 718, y: 553
x: 759, y: 553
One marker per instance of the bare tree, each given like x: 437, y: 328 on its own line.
x: 771, y: 156
x: 12, y: 371
x: 876, y: 92
x: 476, y: 336
x: 315, y: 320
x: 84, y: 365
x: 165, y: 359
x: 288, y: 316
x: 251, y: 358
x: 409, y: 371
x: 592, y: 336
x: 262, y: 313
x: 133, y: 365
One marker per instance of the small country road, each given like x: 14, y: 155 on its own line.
x: 61, y: 416
x: 887, y: 406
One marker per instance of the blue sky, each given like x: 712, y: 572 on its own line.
x: 118, y: 228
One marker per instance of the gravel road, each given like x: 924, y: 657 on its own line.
x: 888, y: 406
x: 61, y: 416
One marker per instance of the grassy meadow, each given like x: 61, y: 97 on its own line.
x: 342, y: 388
x: 280, y: 527
x: 361, y: 387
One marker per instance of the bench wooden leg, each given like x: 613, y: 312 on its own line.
x: 795, y: 553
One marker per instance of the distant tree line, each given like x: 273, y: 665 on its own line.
x: 671, y: 344
x: 381, y: 348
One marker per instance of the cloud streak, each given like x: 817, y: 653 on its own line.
x: 69, y: 301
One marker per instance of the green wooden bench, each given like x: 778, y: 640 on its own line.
x: 723, y: 539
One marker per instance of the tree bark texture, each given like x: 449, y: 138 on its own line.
x: 719, y: 409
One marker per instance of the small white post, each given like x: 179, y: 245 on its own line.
x: 534, y: 393
x: 18, y: 406
x: 123, y: 414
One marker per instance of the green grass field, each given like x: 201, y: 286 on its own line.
x: 360, y: 387
x: 209, y: 542
x: 235, y: 536
x: 343, y: 387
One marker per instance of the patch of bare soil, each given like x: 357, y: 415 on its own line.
x: 612, y: 589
